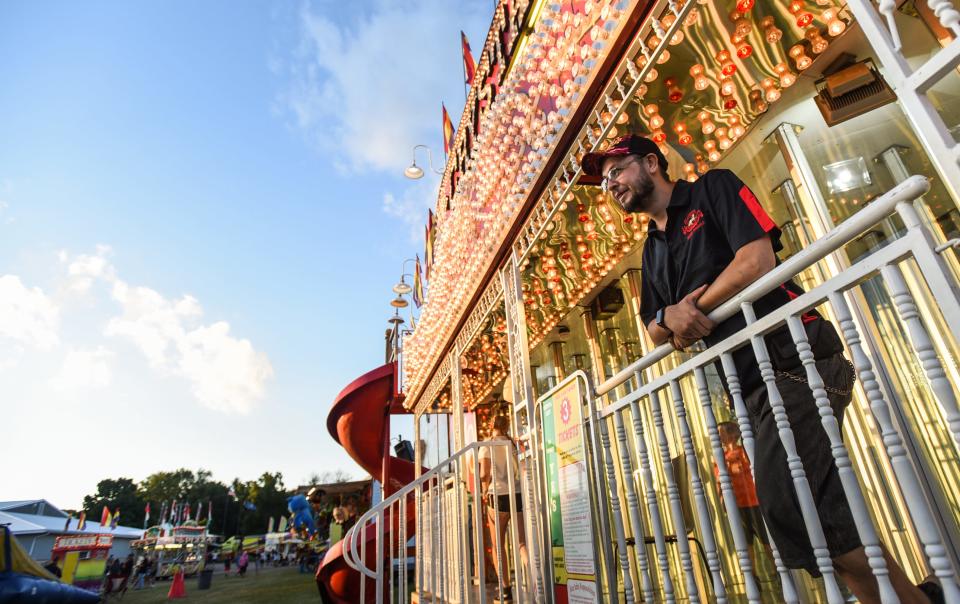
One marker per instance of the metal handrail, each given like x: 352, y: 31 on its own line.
x: 351, y: 543
x: 852, y: 227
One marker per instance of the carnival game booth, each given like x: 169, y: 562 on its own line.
x: 841, y: 121
x: 186, y: 547
x: 82, y: 559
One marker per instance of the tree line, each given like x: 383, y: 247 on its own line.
x: 238, y: 508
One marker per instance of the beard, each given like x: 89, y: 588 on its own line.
x: 638, y: 196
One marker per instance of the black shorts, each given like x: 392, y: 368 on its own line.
x: 752, y: 522
x: 775, y: 489
x: 503, y: 502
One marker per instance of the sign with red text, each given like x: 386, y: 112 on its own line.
x: 568, y: 494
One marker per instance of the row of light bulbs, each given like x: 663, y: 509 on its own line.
x: 489, y: 193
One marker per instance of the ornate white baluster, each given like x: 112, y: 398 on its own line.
x: 808, y: 508
x: 726, y: 488
x: 703, y: 511
x: 906, y: 476
x: 948, y: 15
x: 653, y: 508
x: 746, y: 433
x: 673, y: 494
x: 616, y: 512
x: 920, y: 339
x: 848, y: 478
x: 888, y: 8
x: 633, y: 507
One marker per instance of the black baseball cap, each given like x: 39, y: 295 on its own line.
x: 630, y: 144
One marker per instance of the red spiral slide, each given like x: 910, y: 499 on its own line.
x: 360, y: 422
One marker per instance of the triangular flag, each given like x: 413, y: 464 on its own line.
x: 270, y: 525
x: 105, y: 516
x: 115, y: 520
x: 417, y: 284
x: 283, y: 525
x: 447, y: 131
x: 469, y: 66
x: 82, y: 522
x: 428, y: 250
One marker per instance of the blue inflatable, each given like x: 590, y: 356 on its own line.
x: 18, y: 587
x: 302, y: 513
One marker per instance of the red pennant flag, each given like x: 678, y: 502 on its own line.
x: 447, y: 131
x: 469, y: 66
x: 105, y: 516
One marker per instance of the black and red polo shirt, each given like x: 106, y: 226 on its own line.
x: 707, y: 222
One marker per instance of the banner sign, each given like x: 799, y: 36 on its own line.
x: 568, y: 495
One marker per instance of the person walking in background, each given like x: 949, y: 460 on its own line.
x: 744, y: 489
x: 497, y: 465
x: 242, y: 563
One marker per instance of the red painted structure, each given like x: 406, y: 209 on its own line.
x: 360, y: 422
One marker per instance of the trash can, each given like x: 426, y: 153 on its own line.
x: 206, y: 578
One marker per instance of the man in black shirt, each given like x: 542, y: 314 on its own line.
x: 707, y: 241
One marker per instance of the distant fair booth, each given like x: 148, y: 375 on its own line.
x: 82, y: 559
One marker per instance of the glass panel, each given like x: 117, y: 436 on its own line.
x: 852, y: 163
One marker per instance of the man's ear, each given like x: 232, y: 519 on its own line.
x: 652, y: 164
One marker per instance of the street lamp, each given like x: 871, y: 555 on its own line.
x: 413, y: 171
x: 402, y: 288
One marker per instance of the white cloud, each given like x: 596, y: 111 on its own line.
x: 227, y: 374
x: 85, y: 268
x: 372, y: 91
x: 85, y: 369
x: 27, y: 315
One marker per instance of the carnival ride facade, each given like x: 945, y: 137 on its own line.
x: 824, y: 109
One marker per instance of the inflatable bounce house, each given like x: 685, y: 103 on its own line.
x: 23, y: 581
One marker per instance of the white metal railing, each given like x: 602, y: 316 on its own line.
x: 453, y: 529
x: 450, y: 527
x: 917, y: 244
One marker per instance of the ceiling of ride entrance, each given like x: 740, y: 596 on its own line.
x: 719, y: 73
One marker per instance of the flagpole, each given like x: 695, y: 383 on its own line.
x: 226, y: 509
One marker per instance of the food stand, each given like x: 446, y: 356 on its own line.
x: 186, y: 546
x: 82, y: 559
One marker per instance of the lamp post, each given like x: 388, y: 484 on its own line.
x: 413, y: 171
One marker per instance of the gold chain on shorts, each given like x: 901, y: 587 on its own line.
x: 803, y: 380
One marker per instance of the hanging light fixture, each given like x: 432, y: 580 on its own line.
x: 402, y: 288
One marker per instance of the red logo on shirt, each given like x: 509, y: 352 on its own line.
x: 692, y: 223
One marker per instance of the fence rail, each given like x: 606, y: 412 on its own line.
x: 673, y: 539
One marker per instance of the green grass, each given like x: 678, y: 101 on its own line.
x: 283, y: 585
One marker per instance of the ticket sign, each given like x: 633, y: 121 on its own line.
x: 568, y: 494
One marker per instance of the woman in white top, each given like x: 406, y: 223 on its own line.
x: 497, y: 465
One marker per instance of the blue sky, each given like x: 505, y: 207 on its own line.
x: 202, y: 211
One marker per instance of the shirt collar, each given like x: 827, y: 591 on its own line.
x: 680, y: 197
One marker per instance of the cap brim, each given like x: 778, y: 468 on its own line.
x: 593, y: 162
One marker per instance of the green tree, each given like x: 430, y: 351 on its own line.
x: 183, y: 485
x: 116, y: 493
